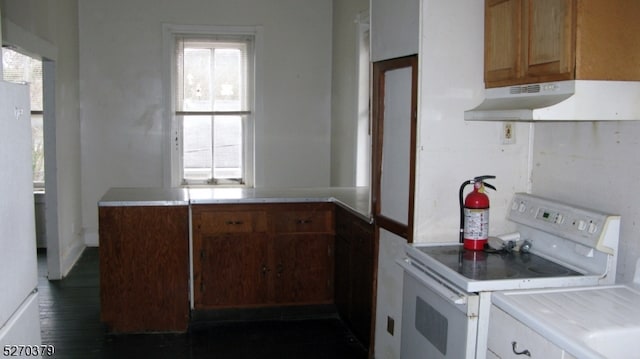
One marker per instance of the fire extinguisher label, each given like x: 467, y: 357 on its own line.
x: 476, y: 223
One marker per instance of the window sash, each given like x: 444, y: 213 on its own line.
x: 224, y: 159
x: 243, y: 44
x: 212, y: 174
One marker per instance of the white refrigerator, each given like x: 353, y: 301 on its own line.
x: 19, y: 312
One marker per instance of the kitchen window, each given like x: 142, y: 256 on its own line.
x: 213, y: 114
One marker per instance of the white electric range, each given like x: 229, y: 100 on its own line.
x: 447, y: 289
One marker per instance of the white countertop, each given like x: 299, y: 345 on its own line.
x: 587, y: 322
x: 147, y: 196
x: 355, y: 199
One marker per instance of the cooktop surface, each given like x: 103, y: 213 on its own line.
x: 481, y: 265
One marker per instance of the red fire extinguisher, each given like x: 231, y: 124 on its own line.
x: 474, y: 214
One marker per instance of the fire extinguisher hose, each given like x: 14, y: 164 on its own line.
x: 464, y: 184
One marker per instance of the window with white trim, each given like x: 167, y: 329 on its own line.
x: 213, y: 91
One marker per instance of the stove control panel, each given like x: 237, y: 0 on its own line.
x: 588, y: 227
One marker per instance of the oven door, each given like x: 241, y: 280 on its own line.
x: 438, y: 320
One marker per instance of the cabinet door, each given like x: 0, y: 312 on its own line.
x: 342, y: 277
x: 354, y: 273
x: 303, y: 265
x: 503, y: 39
x: 504, y: 331
x: 550, y: 34
x: 361, y: 268
x: 144, y: 268
x: 529, y: 41
x: 395, y: 84
x: 231, y: 270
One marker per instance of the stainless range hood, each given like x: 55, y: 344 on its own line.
x: 574, y: 100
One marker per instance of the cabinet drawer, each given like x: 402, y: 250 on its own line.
x: 504, y: 330
x: 303, y: 221
x: 231, y: 221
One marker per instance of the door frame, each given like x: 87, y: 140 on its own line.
x: 380, y: 68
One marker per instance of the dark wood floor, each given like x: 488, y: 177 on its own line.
x: 70, y: 320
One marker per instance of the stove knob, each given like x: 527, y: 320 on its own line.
x: 592, y: 228
x: 582, y: 225
x: 525, y: 247
x: 522, y: 208
x: 559, y: 219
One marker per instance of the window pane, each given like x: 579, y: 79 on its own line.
x: 20, y: 68
x: 228, y: 80
x: 38, y: 148
x: 197, y: 80
x: 228, y: 147
x: 197, y: 154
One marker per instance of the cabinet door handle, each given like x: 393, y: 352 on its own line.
x: 303, y: 221
x: 234, y: 222
x: 279, y: 269
x: 264, y: 269
x: 514, y: 346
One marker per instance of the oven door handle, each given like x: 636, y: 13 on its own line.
x: 433, y: 283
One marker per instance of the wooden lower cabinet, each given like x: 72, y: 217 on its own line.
x: 354, y: 273
x: 304, y: 269
x: 231, y: 270
x: 144, y: 268
x: 244, y: 256
x: 262, y: 255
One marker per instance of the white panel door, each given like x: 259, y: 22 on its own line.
x: 18, y: 261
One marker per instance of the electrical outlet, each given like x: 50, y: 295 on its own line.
x: 390, y: 325
x: 508, y: 133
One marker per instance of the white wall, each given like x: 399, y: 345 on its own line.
x: 594, y: 164
x: 450, y: 150
x: 50, y: 29
x: 121, y: 96
x: 395, y: 28
x: 344, y: 93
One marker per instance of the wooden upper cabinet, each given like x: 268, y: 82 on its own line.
x: 550, y: 40
x: 503, y: 33
x: 528, y: 41
x: 608, y: 42
x: 532, y: 41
